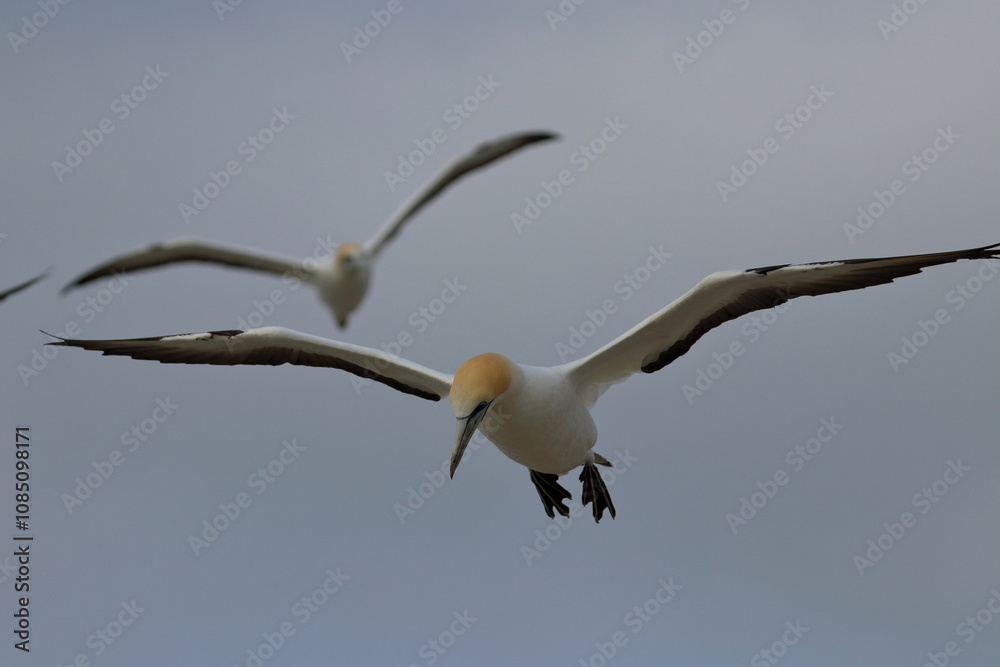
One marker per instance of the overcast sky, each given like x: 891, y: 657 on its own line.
x: 729, y: 134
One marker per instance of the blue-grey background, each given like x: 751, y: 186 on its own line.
x: 467, y: 549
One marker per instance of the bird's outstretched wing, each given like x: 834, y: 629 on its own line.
x: 23, y: 286
x: 724, y: 296
x: 192, y: 250
x: 274, y: 346
x: 481, y: 156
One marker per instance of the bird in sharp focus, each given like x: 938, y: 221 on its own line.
x: 343, y: 279
x: 540, y: 416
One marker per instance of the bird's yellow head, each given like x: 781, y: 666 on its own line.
x: 481, y: 378
x: 478, y: 382
x: 349, y: 256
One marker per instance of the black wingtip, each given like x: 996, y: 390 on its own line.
x: 535, y: 136
x: 81, y: 281
x: 25, y: 285
x: 548, y: 136
x: 59, y: 339
x: 983, y: 252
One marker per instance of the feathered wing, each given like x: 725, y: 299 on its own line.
x: 23, y: 286
x: 192, y: 250
x: 724, y: 296
x: 481, y: 156
x: 274, y: 346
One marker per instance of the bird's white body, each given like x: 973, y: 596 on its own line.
x: 540, y: 422
x: 342, y: 282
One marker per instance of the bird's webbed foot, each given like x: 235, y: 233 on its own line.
x: 551, y: 493
x: 596, y: 492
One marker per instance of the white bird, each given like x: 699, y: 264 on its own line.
x: 25, y: 285
x: 541, y: 415
x: 343, y: 280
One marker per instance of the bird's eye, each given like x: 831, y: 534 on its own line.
x: 477, y: 410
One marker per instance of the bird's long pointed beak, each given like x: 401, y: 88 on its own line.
x: 466, y: 428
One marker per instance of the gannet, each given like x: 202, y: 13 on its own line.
x: 542, y: 414
x: 343, y: 280
x: 25, y: 285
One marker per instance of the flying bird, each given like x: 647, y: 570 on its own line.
x: 23, y: 286
x: 343, y: 280
x: 541, y: 415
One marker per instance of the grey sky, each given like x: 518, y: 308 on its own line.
x: 208, y: 83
